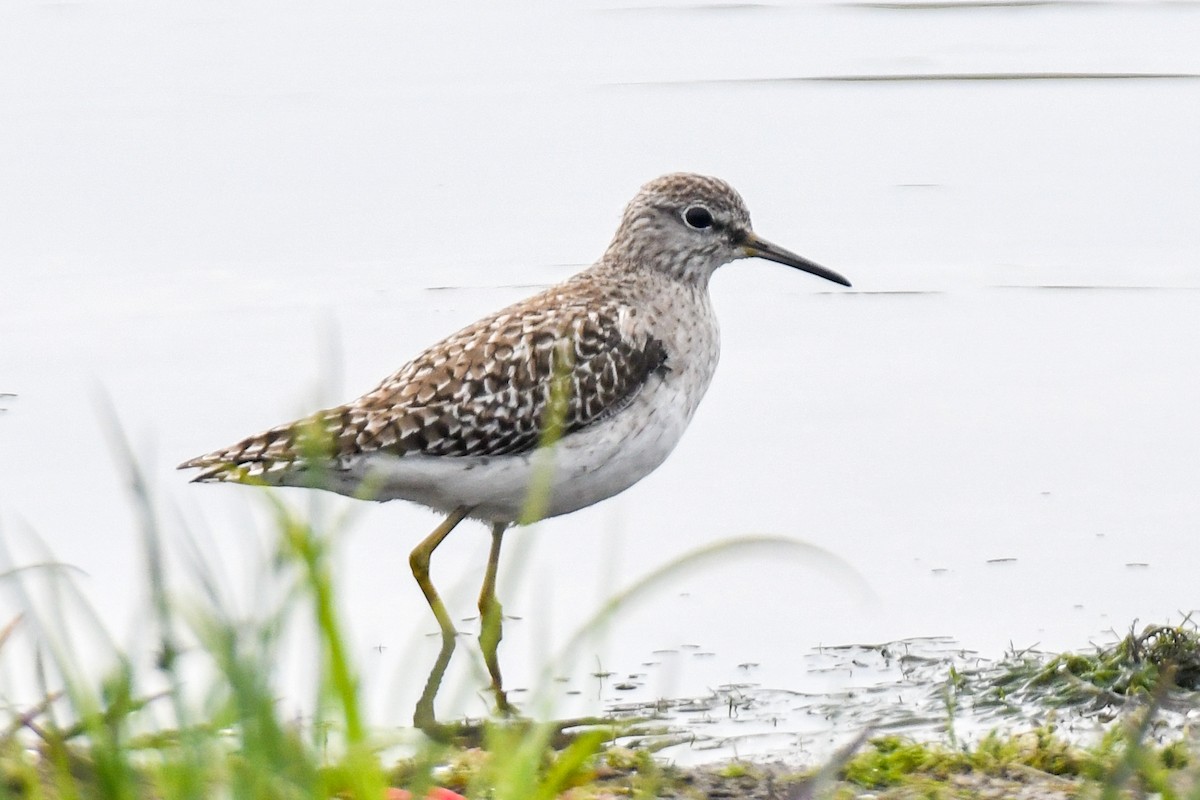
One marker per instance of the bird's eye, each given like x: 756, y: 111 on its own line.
x: 698, y: 217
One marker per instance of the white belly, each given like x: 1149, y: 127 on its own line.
x: 583, y: 468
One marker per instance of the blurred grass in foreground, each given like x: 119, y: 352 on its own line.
x: 142, y: 725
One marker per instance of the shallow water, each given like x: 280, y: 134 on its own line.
x: 222, y: 217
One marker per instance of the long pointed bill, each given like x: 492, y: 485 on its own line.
x: 758, y: 247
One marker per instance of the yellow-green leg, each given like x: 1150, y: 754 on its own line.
x: 424, y: 717
x: 491, y: 619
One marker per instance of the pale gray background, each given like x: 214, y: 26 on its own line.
x: 200, y: 202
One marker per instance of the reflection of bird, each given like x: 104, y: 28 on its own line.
x: 610, y: 363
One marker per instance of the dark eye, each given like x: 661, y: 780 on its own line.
x: 698, y: 217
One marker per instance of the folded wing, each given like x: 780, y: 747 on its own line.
x: 485, y: 391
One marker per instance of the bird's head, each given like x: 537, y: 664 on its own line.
x: 688, y: 225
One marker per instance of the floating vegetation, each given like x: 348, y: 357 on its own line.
x: 1160, y: 662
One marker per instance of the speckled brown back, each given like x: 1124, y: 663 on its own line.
x: 483, y: 391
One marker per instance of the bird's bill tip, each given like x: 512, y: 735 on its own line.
x: 757, y: 247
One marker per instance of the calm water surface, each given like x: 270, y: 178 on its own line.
x: 222, y: 217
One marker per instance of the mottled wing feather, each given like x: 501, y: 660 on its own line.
x: 484, y: 391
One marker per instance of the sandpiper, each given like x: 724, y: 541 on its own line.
x: 612, y: 362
